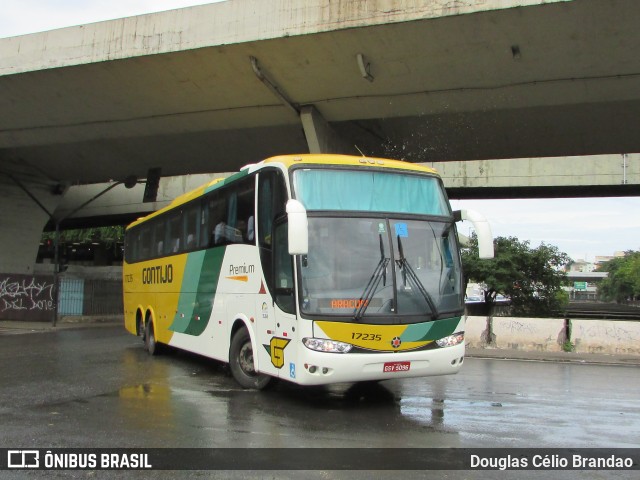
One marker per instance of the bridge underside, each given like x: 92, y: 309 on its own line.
x: 559, y: 78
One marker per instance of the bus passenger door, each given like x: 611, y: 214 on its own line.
x: 276, y: 304
x: 284, y: 350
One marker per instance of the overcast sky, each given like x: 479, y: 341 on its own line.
x: 18, y: 17
x: 582, y: 228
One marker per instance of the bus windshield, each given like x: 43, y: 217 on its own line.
x: 370, y: 191
x: 381, y: 270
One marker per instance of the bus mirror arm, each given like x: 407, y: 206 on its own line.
x: 298, y: 228
x: 482, y: 228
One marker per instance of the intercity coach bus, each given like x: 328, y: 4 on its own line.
x: 314, y: 269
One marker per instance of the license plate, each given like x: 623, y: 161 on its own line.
x: 396, y: 367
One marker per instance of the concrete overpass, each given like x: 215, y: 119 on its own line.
x: 551, y: 177
x: 210, y: 88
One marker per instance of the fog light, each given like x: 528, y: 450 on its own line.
x: 451, y: 340
x: 312, y: 369
x: 326, y: 345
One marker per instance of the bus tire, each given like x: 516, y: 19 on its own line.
x: 241, y: 362
x: 150, y: 342
x: 140, y: 328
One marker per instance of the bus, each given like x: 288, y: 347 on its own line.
x: 314, y: 269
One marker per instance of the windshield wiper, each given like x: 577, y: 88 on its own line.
x: 408, y: 272
x: 380, y: 273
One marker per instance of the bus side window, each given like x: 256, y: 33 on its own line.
x: 174, y: 233
x: 145, y: 242
x: 217, y: 218
x: 158, y: 238
x: 204, y: 225
x: 233, y: 224
x: 283, y: 269
x: 131, y: 245
x: 271, y: 203
x: 191, y: 227
x: 128, y: 244
x: 244, y: 196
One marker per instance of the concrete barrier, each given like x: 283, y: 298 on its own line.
x: 529, y: 334
x: 609, y: 337
x: 514, y: 333
x: 475, y: 332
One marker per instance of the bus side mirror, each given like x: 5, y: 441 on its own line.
x: 298, y: 228
x: 482, y: 228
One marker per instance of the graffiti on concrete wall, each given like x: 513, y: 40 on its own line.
x: 609, y: 337
x: 612, y: 331
x: 516, y: 326
x: 23, y: 293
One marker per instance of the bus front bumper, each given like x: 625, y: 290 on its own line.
x: 318, y: 368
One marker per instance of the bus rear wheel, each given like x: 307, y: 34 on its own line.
x: 150, y: 342
x: 241, y: 362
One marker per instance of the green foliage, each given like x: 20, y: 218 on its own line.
x: 567, y: 346
x: 531, y: 277
x: 623, y: 282
x: 105, y: 235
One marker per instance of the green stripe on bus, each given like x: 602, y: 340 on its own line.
x: 199, y: 286
x: 227, y: 180
x: 420, y: 332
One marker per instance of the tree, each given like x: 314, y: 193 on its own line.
x: 623, y: 282
x: 107, y: 235
x: 531, y: 277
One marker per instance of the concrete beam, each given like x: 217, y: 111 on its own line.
x: 321, y: 138
x: 512, y: 178
x: 224, y: 23
x: 474, y: 79
x: 617, y: 174
x: 22, y: 222
x: 126, y: 203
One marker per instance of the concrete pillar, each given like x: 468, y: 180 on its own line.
x: 321, y: 138
x: 22, y: 222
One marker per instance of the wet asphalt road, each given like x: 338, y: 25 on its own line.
x: 98, y: 388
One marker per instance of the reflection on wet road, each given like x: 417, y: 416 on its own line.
x: 97, y: 387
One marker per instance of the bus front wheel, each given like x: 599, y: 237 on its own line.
x: 140, y: 328
x: 241, y: 362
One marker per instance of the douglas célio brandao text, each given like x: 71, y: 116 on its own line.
x: 574, y: 461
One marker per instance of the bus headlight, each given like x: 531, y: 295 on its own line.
x: 451, y: 340
x: 326, y: 345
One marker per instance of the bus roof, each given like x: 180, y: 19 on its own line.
x: 326, y: 159
x: 289, y: 161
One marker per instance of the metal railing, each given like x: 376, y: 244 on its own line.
x: 89, y: 297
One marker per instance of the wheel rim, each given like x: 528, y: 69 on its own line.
x: 151, y: 339
x: 245, y: 359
